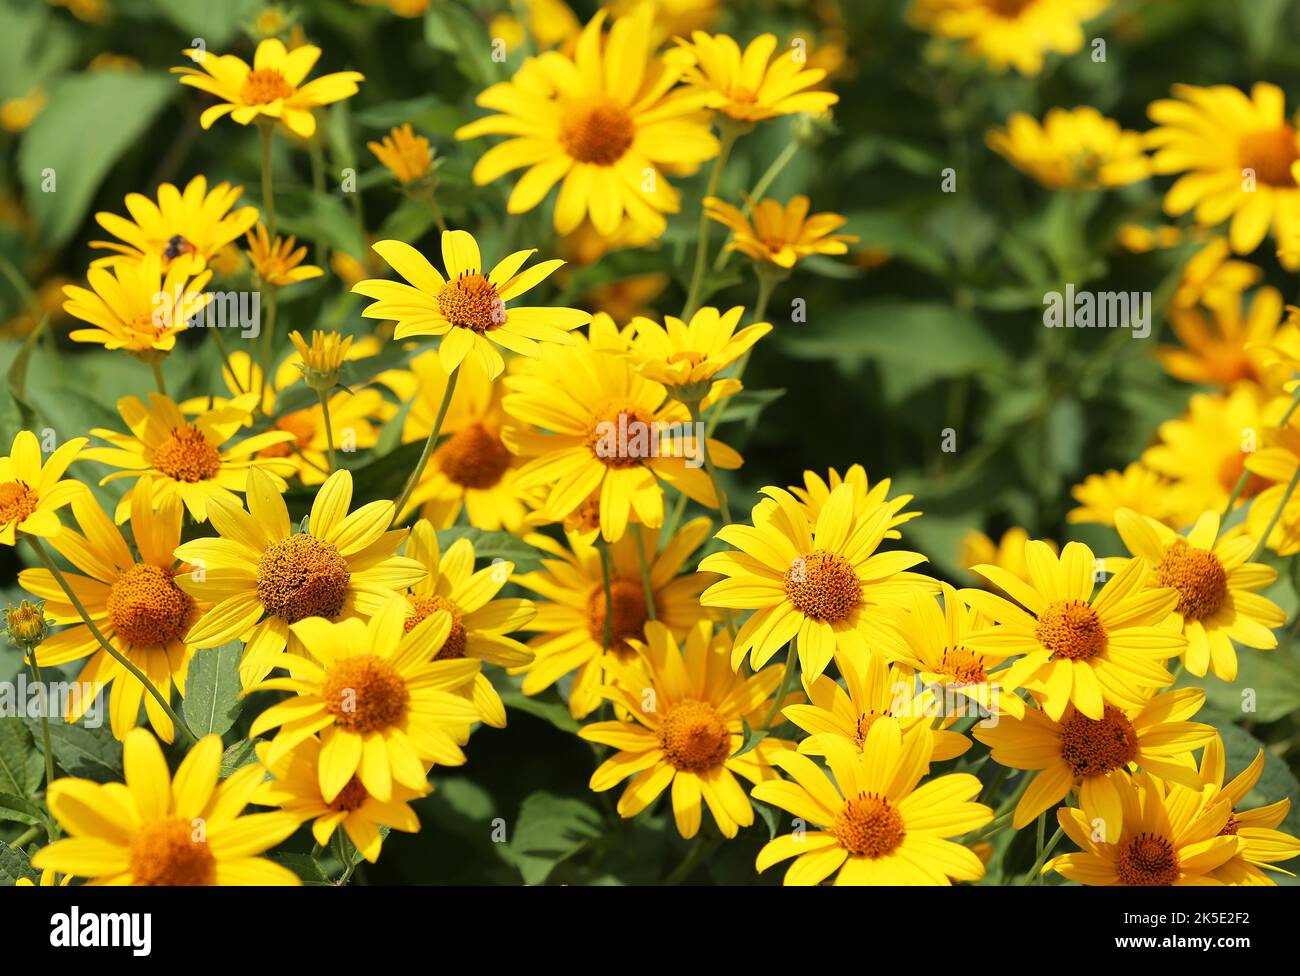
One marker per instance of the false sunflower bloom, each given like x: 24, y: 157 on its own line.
x: 31, y: 492
x: 686, y: 356
x: 404, y: 154
x: 605, y: 124
x: 1160, y: 840
x: 1092, y: 755
x: 1010, y: 35
x: 357, y: 416
x: 278, y: 261
x: 184, y: 228
x: 1080, y: 650
x: 271, y: 88
x: 1226, y: 346
x: 689, y: 735
x: 384, y: 706
x: 823, y: 585
x: 136, y: 605
x: 572, y: 615
x: 260, y: 577
x: 187, y: 457
x: 780, y: 234
x: 750, y: 85
x: 1137, y: 487
x: 878, y: 826
x: 1212, y: 276
x: 1073, y: 149
x: 816, y: 490
x: 1218, y: 598
x: 1275, y: 465
x: 158, y: 829
x: 467, y: 308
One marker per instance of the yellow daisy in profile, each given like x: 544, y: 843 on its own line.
x: 185, y: 457
x: 404, y: 154
x: 1072, y: 149
x: 592, y: 424
x: 467, y: 308
x: 605, y: 124
x: 1228, y: 344
x: 1092, y: 755
x: 271, y: 88
x: 1161, y: 840
x: 31, y: 490
x: 1014, y: 34
x: 1262, y: 845
x: 479, y: 621
x: 260, y: 576
x: 878, y: 826
x: 1212, y: 276
x: 183, y: 228
x: 687, y: 708
x: 278, y: 262
x: 1275, y: 465
x: 750, y: 85
x: 572, y: 614
x: 780, y: 234
x: 384, y: 706
x: 158, y: 829
x: 135, y: 604
x: 1137, y: 487
x: 686, y: 356
x: 1235, y: 153
x: 875, y: 690
x: 821, y: 585
x: 1079, y: 650
x: 295, y: 789
x: 136, y: 306
x: 1218, y: 598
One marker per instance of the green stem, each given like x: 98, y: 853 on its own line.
x: 427, y: 197
x: 418, y: 470
x: 791, y: 659
x: 1044, y: 852
x: 156, y: 365
x: 1277, y: 515
x: 603, y: 548
x: 723, y: 507
x: 45, y: 727
x: 645, y: 573
x: 349, y: 865
x: 268, y: 194
x: 329, y: 429
x: 113, y: 652
x: 26, y: 837
x: 1240, y: 486
x: 729, y: 133
x: 689, y: 863
x: 225, y: 360
x: 272, y: 296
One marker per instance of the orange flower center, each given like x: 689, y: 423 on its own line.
x: 823, y: 585
x: 263, y: 86
x: 1147, y: 860
x: 302, y: 576
x: 865, y: 721
x: 351, y: 797
x: 598, y: 133
x: 694, y: 736
x: 627, y: 619
x: 168, y: 852
x: 186, y: 455
x: 1008, y: 9
x: 473, y: 458
x: 621, y: 436
x: 472, y: 302
x: 1270, y: 154
x: 963, y: 666
x: 365, y: 694
x: 1231, y: 827
x: 869, y: 826
x: 454, y: 647
x: 1093, y: 747
x: 17, y: 501
x: 147, y: 608
x: 1072, y: 630
x: 1197, y: 575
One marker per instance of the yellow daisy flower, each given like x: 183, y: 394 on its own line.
x: 686, y: 356
x: 1275, y: 465
x: 1235, y: 153
x: 467, y: 308
x: 184, y: 228
x: 750, y: 85
x: 186, y: 457
x: 135, y: 603
x: 479, y: 621
x: 1100, y: 496
x: 158, y: 829
x: 1161, y: 840
x: 1211, y: 276
x: 1078, y: 649
x: 271, y: 88
x: 295, y: 789
x: 384, y: 706
x: 571, y: 617
x: 816, y: 491
x: 260, y: 576
x: 1007, y: 553
x: 822, y: 585
x: 356, y: 419
x: 607, y: 122
x: 780, y: 234
x: 278, y: 262
x: 687, y: 708
x: 1218, y: 602
x: 878, y: 826
x: 1226, y: 346
x: 31, y: 492
x: 123, y: 305
x: 1072, y: 149
x: 404, y: 154
x: 1092, y: 755
x: 1010, y: 34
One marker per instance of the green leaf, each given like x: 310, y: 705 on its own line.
x: 307, y: 869
x: 20, y: 763
x: 212, y: 689
x: 493, y: 546
x: 19, y: 810
x: 90, y: 121
x: 14, y: 865
x: 1267, y: 687
x: 550, y: 830
x: 451, y: 28
x: 91, y: 753
x: 546, y: 706
x: 216, y: 24
x: 238, y: 756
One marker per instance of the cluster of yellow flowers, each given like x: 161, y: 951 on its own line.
x: 387, y: 646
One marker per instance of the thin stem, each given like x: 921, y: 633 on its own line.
x: 1277, y: 515
x: 730, y: 133
x: 427, y: 197
x: 678, y: 511
x: 349, y: 865
x: 225, y: 360
x: 272, y: 296
x: 268, y: 194
x: 723, y: 507
x: 329, y: 429
x: 418, y: 470
x: 156, y: 365
x: 1044, y: 852
x: 645, y: 574
x: 607, y: 638
x: 1240, y: 486
x: 689, y: 863
x: 26, y: 837
x: 791, y: 659
x: 113, y: 652
x: 761, y: 187
x: 45, y: 727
